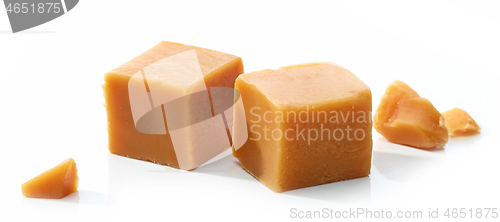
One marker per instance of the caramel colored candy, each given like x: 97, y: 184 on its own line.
x: 55, y: 183
x: 460, y: 123
x: 307, y: 125
x: 406, y: 118
x: 166, y: 71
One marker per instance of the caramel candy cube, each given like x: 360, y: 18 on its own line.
x: 460, y: 123
x: 55, y: 183
x: 404, y: 117
x: 304, y: 125
x: 159, y: 104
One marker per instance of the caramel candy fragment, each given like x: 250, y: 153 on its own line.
x: 406, y: 118
x: 306, y: 125
x: 460, y: 123
x: 55, y: 183
x: 138, y: 119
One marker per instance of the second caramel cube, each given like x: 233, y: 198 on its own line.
x: 304, y: 125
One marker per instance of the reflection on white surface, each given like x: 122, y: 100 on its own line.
x: 396, y: 171
x: 352, y: 192
x: 464, y: 141
x: 399, y: 167
x: 92, y: 197
x: 399, y: 174
x: 68, y: 204
x: 226, y: 167
x: 401, y: 163
x: 78, y: 197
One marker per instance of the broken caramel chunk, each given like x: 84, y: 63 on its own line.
x: 406, y: 118
x: 55, y: 183
x: 136, y: 94
x: 304, y: 125
x: 459, y: 123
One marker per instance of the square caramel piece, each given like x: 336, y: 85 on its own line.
x: 159, y: 105
x: 306, y: 125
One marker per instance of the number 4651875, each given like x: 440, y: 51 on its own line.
x: 34, y: 8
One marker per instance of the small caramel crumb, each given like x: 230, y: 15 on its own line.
x: 55, y: 183
x: 460, y: 123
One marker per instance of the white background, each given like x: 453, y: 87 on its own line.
x: 52, y: 104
